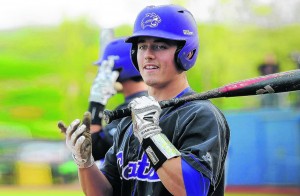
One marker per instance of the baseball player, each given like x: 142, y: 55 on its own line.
x: 114, y: 66
x: 178, y: 150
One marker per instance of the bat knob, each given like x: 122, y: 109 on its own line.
x: 107, y: 116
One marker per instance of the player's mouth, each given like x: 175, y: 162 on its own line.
x: 150, y: 67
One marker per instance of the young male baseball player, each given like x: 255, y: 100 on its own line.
x: 114, y: 66
x: 178, y: 150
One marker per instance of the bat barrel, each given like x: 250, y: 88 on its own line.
x: 272, y: 83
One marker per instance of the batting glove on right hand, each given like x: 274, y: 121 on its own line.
x: 145, y: 117
x: 103, y: 85
x: 79, y: 141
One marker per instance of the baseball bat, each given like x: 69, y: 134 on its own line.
x: 106, y: 36
x: 272, y: 83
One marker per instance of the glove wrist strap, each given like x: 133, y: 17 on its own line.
x: 159, y: 149
x: 84, y: 163
x: 96, y: 110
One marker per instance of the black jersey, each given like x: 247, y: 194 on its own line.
x: 197, y: 129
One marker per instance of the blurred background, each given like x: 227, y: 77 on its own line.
x: 47, y: 51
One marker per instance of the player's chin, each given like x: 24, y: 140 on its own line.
x: 152, y: 82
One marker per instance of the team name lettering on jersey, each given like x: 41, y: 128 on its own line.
x: 140, y: 169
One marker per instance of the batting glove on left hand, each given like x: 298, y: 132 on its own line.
x: 79, y: 141
x: 145, y: 117
x: 103, y: 85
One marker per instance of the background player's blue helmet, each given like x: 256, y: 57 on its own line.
x: 120, y: 51
x: 171, y: 22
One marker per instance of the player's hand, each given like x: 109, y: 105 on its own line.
x: 79, y: 141
x: 145, y: 113
x: 103, y: 85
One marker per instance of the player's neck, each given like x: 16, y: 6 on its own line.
x: 131, y: 87
x: 169, y: 91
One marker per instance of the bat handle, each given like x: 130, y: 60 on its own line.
x: 109, y: 116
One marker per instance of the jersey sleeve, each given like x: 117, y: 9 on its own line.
x: 201, y: 136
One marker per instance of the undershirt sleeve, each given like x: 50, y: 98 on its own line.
x: 194, y: 181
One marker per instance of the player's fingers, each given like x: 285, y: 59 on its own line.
x: 110, y: 64
x: 87, y: 118
x: 77, y: 133
x: 79, y: 142
x: 145, y: 99
x: 62, y: 127
x: 151, y: 101
x: 104, y: 65
x: 114, y: 76
x: 72, y: 127
x: 118, y: 87
x: 133, y: 103
x: 137, y: 102
x: 152, y: 98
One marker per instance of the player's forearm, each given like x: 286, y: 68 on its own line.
x: 170, y: 174
x: 93, y: 182
x: 95, y: 128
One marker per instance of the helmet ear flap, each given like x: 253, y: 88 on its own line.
x: 188, y: 55
x: 181, y: 59
x: 133, y: 55
x: 177, y: 59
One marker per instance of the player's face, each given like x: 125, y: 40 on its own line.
x: 156, y: 62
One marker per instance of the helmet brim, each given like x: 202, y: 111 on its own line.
x: 154, y: 33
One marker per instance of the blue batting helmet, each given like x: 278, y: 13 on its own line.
x: 119, y: 50
x: 171, y: 22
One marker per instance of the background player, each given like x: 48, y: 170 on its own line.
x: 114, y: 66
x: 179, y: 150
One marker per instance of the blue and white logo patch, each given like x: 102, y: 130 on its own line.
x: 150, y: 20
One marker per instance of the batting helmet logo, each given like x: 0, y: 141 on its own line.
x: 151, y: 20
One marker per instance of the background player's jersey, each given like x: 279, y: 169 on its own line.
x: 197, y: 129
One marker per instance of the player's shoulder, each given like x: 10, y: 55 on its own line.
x: 200, y: 109
x: 203, y: 103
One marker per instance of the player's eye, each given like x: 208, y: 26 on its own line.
x: 156, y: 47
x: 142, y: 47
x: 153, y: 47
